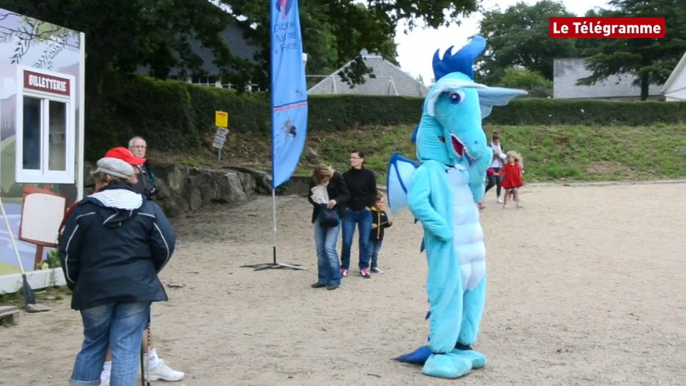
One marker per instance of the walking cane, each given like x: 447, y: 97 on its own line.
x: 147, y: 377
x: 142, y: 367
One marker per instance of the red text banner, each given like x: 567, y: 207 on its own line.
x: 46, y: 83
x: 606, y: 27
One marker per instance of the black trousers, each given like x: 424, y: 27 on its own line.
x: 494, y: 180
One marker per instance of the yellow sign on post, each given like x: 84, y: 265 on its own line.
x: 221, y: 119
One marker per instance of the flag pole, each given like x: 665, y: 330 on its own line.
x: 274, y: 264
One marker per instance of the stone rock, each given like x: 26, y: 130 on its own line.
x: 261, y: 180
x: 175, y: 178
x: 182, y: 189
x: 235, y: 192
x: 192, y: 196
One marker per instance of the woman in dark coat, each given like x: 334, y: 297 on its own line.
x: 112, y: 247
x: 328, y: 195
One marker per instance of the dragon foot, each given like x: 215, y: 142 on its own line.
x: 447, y: 366
x: 477, y: 359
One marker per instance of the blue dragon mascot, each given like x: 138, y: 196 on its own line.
x: 442, y: 192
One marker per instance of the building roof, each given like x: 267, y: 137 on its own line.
x: 567, y: 71
x: 386, y: 79
x: 233, y: 37
x: 678, y: 70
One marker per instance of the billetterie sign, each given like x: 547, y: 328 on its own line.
x: 46, y: 83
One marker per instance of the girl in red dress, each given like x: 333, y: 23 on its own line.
x: 512, y: 177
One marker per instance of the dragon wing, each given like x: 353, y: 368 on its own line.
x: 400, y: 171
x: 496, y: 96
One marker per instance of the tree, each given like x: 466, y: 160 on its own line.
x: 531, y: 81
x: 650, y: 60
x: 518, y: 37
x: 351, y: 26
x: 125, y: 34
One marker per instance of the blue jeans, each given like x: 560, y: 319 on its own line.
x: 363, y: 219
x: 119, y: 326
x: 374, y: 248
x: 329, y: 270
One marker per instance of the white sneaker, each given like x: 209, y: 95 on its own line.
x: 500, y: 200
x: 105, y: 379
x: 164, y: 373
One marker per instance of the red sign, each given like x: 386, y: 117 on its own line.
x: 606, y: 27
x: 46, y: 83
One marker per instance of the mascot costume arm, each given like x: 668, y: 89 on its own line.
x: 442, y: 192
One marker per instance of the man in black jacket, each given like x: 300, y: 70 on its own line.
x: 112, y: 247
x: 146, y: 178
x: 361, y: 183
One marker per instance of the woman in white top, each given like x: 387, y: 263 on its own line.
x: 328, y: 195
x: 499, y: 157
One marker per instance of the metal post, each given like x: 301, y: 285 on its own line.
x: 274, y: 223
x: 274, y: 264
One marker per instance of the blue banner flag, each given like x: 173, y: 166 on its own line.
x: 288, y: 90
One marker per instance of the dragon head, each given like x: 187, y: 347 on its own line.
x: 450, y: 130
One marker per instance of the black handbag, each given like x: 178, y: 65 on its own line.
x: 328, y: 218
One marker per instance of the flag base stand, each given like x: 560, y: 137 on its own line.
x: 274, y: 264
x: 261, y: 267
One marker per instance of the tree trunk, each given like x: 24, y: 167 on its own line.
x: 645, y: 85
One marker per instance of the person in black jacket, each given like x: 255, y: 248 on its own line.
x: 328, y: 195
x: 112, y: 247
x: 362, y: 185
x: 159, y: 369
x: 146, y: 178
x: 380, y: 222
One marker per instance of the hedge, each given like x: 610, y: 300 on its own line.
x: 180, y: 116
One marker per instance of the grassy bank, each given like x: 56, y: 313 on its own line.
x: 579, y: 153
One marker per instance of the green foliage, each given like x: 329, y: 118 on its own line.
x: 525, y: 79
x: 339, y: 112
x: 598, y: 153
x: 518, y: 37
x: 170, y: 114
x: 126, y: 34
x: 334, y: 32
x: 53, y: 259
x: 587, y: 112
x: 558, y: 152
x: 650, y: 60
x: 179, y: 116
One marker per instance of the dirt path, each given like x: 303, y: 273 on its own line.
x: 587, y: 286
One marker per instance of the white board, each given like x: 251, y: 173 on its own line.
x: 41, y: 217
x: 220, y: 137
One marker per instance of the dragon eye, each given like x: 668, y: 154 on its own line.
x: 456, y: 97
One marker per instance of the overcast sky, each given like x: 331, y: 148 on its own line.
x: 416, y: 49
